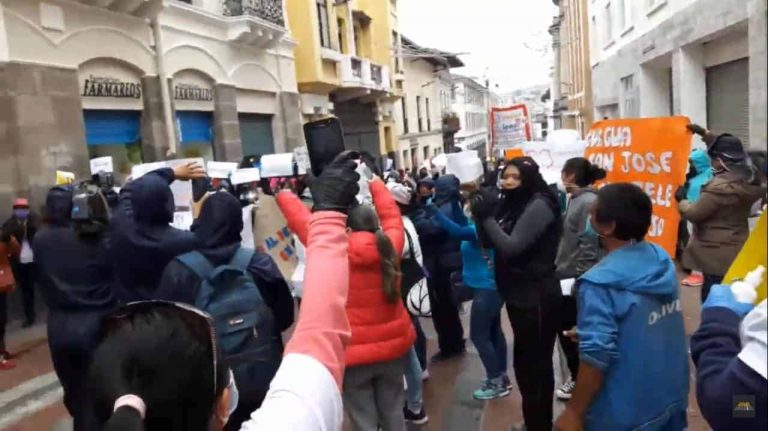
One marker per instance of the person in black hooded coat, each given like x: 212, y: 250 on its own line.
x: 525, y: 233
x: 442, y: 256
x: 76, y: 281
x: 142, y: 242
x: 217, y: 231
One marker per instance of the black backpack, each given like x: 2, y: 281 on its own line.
x: 244, y: 323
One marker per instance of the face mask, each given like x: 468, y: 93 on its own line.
x: 591, y: 233
x: 21, y: 213
x: 561, y: 187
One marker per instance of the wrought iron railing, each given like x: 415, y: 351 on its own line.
x: 269, y: 10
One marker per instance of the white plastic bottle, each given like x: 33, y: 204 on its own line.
x: 745, y: 291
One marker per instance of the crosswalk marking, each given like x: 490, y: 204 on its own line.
x: 28, y: 398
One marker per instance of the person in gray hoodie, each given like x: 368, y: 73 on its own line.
x: 578, y: 251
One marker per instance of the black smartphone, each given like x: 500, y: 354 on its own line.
x: 325, y: 141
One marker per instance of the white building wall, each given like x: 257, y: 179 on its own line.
x: 666, y: 49
x: 422, y: 82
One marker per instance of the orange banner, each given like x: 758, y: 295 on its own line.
x: 651, y: 153
x: 513, y: 153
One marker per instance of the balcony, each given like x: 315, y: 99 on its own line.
x: 258, y: 23
x: 268, y: 10
x: 138, y: 8
x: 361, y: 77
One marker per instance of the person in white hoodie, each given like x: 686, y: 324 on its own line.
x: 416, y: 369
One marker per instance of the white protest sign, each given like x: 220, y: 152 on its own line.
x: 440, y: 161
x: 277, y: 165
x: 102, y: 164
x: 466, y: 166
x: 220, y: 169
x: 301, y: 156
x: 138, y: 171
x: 182, y: 220
x: 552, y: 155
x: 245, y: 176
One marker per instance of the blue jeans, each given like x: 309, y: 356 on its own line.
x: 413, y: 396
x: 485, y: 331
x: 421, y: 343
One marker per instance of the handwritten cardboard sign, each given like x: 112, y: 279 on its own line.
x: 651, y: 153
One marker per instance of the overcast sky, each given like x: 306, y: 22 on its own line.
x: 493, y: 33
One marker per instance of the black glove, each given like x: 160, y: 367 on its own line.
x: 695, y: 128
x: 680, y: 194
x: 336, y: 187
x: 483, y: 204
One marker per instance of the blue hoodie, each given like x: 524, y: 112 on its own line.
x: 700, y: 161
x: 630, y: 326
x: 476, y: 270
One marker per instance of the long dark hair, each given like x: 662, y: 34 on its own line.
x: 157, y: 356
x: 532, y: 185
x: 584, y: 172
x: 364, y: 218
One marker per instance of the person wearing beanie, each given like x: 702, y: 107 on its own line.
x: 720, y: 215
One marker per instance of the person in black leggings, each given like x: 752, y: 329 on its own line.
x: 524, y: 228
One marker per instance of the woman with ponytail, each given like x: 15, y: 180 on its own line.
x: 578, y: 250
x: 382, y: 333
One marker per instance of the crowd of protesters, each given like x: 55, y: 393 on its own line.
x: 151, y: 327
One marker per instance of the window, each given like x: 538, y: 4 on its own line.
x: 405, y: 115
x: 322, y: 19
x: 629, y: 103
x: 594, y: 35
x: 340, y: 28
x: 621, y: 18
x: 418, y: 113
x: 398, y: 54
x: 607, y: 25
x: 425, y: 152
x: 429, y: 117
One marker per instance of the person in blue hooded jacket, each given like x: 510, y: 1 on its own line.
x: 142, y: 242
x: 699, y: 174
x: 633, y: 371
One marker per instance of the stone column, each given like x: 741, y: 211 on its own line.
x: 154, y: 137
x: 758, y: 58
x: 44, y: 128
x: 690, y: 85
x: 294, y: 134
x: 227, y: 145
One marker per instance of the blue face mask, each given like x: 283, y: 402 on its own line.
x: 21, y: 213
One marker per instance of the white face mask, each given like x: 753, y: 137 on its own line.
x: 561, y: 187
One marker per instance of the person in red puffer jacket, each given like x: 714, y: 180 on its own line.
x: 382, y: 332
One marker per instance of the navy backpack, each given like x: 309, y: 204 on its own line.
x: 244, y: 323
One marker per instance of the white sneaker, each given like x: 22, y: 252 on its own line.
x: 405, y: 384
x: 425, y: 375
x: 564, y: 392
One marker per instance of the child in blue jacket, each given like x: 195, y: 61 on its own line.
x: 633, y: 372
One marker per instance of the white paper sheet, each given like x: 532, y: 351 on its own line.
x: 567, y: 286
x: 220, y: 169
x: 466, y: 165
x: 277, y: 165
x: 245, y: 176
x: 102, y: 164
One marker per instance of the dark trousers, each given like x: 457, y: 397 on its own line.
x: 486, y: 334
x: 709, y: 281
x: 72, y: 339
x: 535, y: 329
x: 421, y: 343
x: 445, y: 313
x: 3, y: 318
x: 25, y: 281
x: 570, y: 347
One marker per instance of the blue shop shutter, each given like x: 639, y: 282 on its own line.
x: 107, y: 127
x: 195, y: 126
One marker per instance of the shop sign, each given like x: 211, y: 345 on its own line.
x: 104, y: 86
x: 192, y: 92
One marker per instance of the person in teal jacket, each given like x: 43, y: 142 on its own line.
x: 633, y: 371
x: 699, y: 173
x: 485, y: 318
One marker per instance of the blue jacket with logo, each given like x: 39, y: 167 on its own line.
x: 630, y: 326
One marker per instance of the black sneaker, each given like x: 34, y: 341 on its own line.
x: 419, y: 418
x: 442, y: 356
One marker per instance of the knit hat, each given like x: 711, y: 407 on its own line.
x: 21, y: 203
x: 400, y: 193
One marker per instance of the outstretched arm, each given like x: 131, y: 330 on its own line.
x: 389, y: 214
x: 296, y: 214
x: 464, y: 233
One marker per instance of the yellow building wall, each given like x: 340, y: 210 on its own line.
x: 313, y: 74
